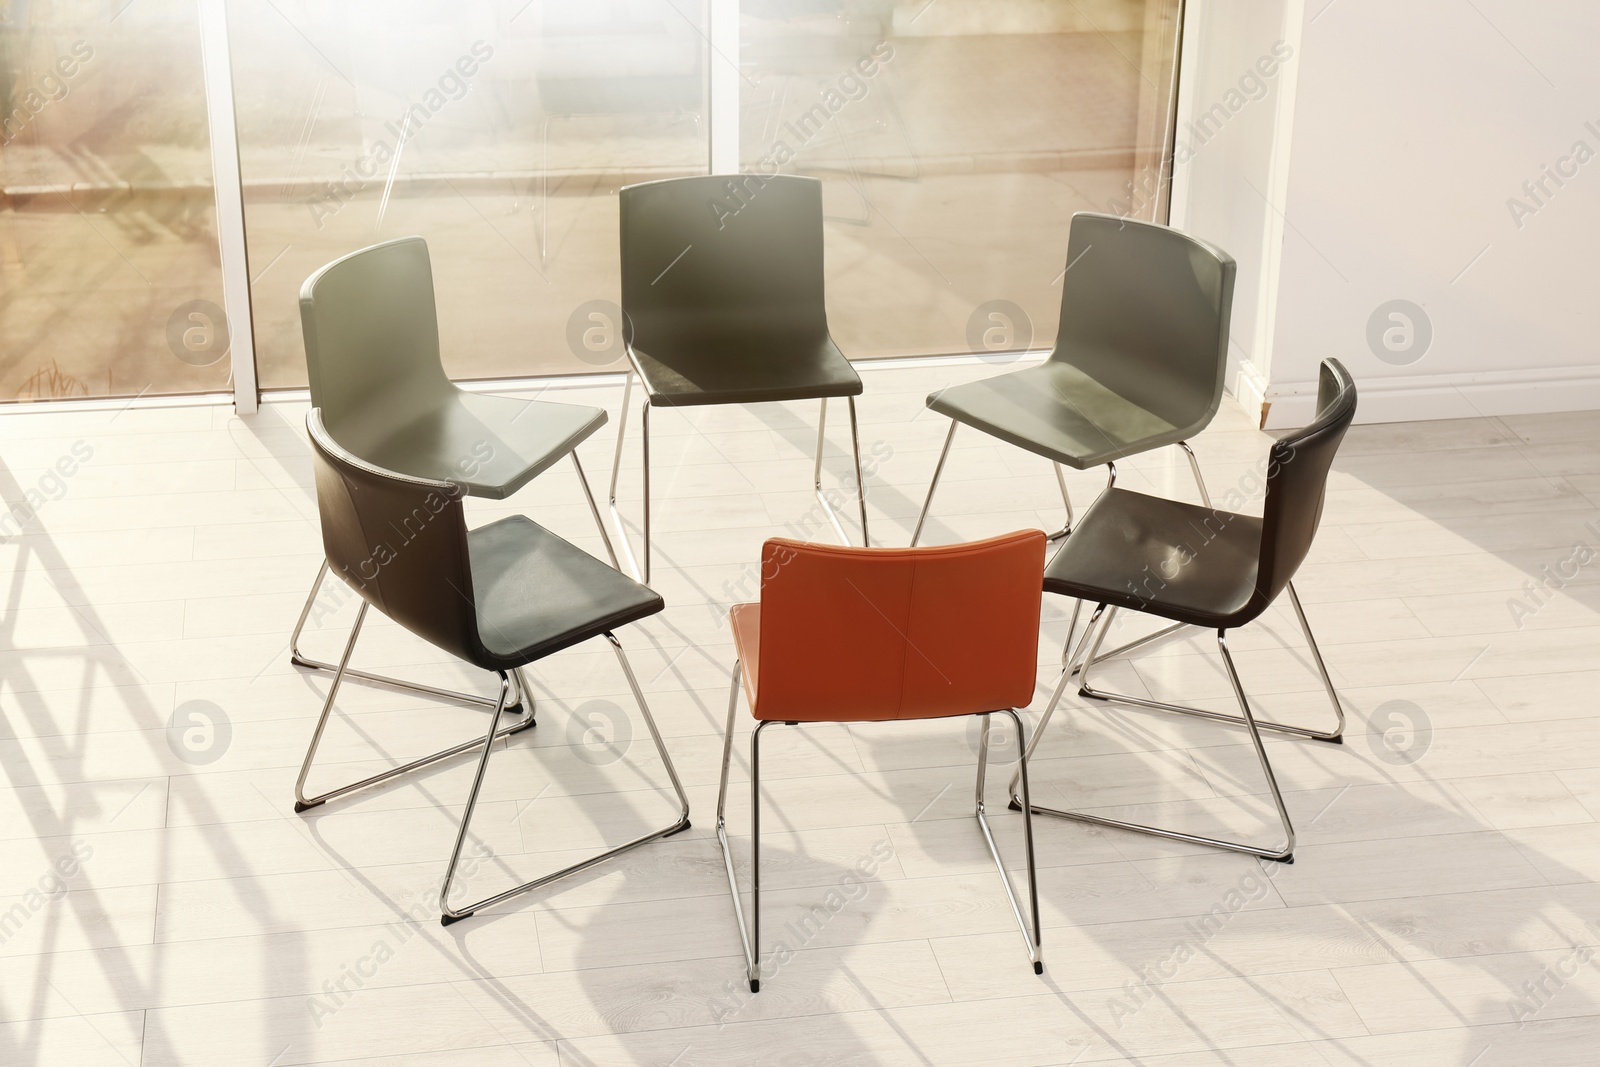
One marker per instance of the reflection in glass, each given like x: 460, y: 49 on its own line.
x: 500, y: 132
x: 109, y: 276
x: 955, y: 140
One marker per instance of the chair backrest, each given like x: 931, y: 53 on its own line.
x: 1145, y: 311
x: 1297, y: 479
x: 372, y: 338
x: 400, y: 542
x: 724, y: 254
x: 857, y: 634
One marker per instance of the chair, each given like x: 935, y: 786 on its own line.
x: 1206, y: 567
x: 722, y: 300
x: 873, y: 635
x: 499, y: 597
x: 1138, y: 361
x: 372, y: 359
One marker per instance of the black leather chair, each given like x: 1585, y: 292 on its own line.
x: 722, y: 301
x: 1202, y: 566
x: 499, y: 597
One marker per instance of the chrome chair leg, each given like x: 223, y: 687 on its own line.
x: 600, y: 524
x: 1194, y: 467
x: 644, y: 438
x: 641, y: 570
x: 938, y: 469
x: 1337, y: 736
x: 1334, y: 736
x: 1124, y: 649
x: 816, y: 476
x: 452, y: 915
x: 750, y: 934
x: 1066, y: 498
x: 303, y: 803
x: 1282, y: 855
x: 751, y: 966
x: 1077, y: 605
x: 300, y: 659
x: 1055, y: 698
x: 622, y: 432
x: 861, y: 485
x: 1029, y: 939
x: 640, y: 573
x: 1165, y: 631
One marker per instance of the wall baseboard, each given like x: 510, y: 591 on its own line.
x: 1441, y: 396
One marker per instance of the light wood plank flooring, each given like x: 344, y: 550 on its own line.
x: 160, y: 904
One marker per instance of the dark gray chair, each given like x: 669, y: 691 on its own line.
x: 499, y: 597
x: 1201, y: 566
x: 372, y: 359
x: 722, y: 301
x: 1138, y: 362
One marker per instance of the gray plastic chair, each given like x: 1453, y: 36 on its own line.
x: 1201, y: 566
x: 499, y: 597
x: 726, y: 307
x: 372, y: 359
x: 1138, y: 362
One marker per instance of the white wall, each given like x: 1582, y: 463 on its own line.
x: 1412, y: 125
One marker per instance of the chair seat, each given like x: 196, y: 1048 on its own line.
x: 491, y: 445
x: 1057, y: 411
x: 744, y: 368
x: 1179, y: 561
x: 537, y: 594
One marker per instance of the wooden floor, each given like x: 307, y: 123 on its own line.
x: 161, y: 904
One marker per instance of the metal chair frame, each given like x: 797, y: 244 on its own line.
x: 750, y: 933
x: 510, y: 681
x: 1079, y: 665
x: 641, y: 571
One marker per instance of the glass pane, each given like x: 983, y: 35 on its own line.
x: 109, y: 276
x: 500, y: 132
x: 955, y: 139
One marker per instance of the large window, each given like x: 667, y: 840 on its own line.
x: 109, y: 277
x: 498, y: 131
x: 956, y: 138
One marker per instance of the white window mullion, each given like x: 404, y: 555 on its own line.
x: 230, y: 202
x: 724, y: 86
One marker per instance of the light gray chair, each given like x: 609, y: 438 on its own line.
x: 1202, y: 566
x: 499, y: 597
x: 1138, y: 363
x: 372, y: 359
x: 722, y: 301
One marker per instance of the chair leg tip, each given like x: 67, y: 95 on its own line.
x: 1038, y: 967
x: 1337, y: 740
x: 1015, y: 805
x: 1284, y: 859
x: 678, y: 830
x: 446, y: 920
x: 755, y: 985
x: 296, y: 661
x: 301, y: 805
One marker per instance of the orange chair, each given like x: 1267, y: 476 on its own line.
x: 877, y: 634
